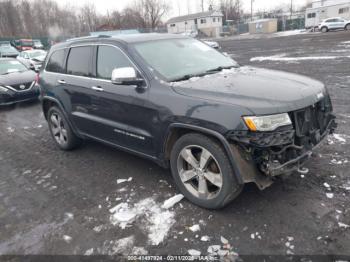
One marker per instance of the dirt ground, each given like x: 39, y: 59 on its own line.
x: 54, y: 202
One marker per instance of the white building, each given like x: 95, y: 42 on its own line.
x: 324, y: 9
x: 209, y: 23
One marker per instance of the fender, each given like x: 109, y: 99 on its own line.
x: 59, y: 104
x: 217, y: 135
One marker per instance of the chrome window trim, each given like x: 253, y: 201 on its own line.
x: 95, y: 78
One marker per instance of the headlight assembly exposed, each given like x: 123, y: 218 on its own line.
x: 267, y: 123
x: 3, y: 89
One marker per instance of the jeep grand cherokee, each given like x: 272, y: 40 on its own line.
x: 186, y: 106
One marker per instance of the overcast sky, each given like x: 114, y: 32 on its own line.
x: 180, y: 7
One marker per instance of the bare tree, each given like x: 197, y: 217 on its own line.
x: 232, y: 9
x: 151, y: 11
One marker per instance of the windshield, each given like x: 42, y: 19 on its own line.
x: 36, y: 54
x: 177, y: 59
x: 26, y: 43
x: 11, y: 66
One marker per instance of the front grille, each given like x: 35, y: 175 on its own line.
x: 21, y: 87
x: 311, y: 123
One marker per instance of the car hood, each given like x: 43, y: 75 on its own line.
x: 261, y: 91
x: 9, y: 51
x: 17, y: 78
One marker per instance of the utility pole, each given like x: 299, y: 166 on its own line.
x: 291, y: 9
x: 251, y: 9
x: 202, y: 5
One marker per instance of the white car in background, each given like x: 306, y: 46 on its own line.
x: 212, y: 44
x: 334, y: 23
x: 190, y: 33
x: 33, y: 59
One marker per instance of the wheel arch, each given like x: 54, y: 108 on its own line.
x: 177, y: 130
x: 48, y: 101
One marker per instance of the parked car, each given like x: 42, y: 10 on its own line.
x: 215, y: 124
x: 212, y: 44
x: 334, y: 24
x: 6, y: 50
x: 23, y: 44
x: 37, y: 44
x: 190, y: 33
x: 32, y: 58
x: 17, y: 82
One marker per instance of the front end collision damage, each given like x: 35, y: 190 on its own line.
x: 263, y: 156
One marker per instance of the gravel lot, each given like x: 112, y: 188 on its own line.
x: 54, y: 202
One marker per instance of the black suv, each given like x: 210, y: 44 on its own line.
x: 186, y: 106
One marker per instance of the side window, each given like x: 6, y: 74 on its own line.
x: 109, y: 58
x: 56, y: 61
x: 79, y: 61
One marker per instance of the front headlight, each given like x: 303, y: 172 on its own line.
x: 267, y: 123
x: 3, y: 89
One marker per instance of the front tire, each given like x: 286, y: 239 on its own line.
x: 61, y: 131
x: 324, y: 29
x: 347, y: 27
x: 203, y: 172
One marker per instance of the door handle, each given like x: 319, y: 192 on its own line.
x: 61, y: 81
x: 97, y: 88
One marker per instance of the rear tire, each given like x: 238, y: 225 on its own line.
x: 324, y: 29
x: 206, y: 177
x: 61, y: 131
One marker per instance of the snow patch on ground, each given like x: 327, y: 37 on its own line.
x: 118, y: 247
x: 337, y: 138
x: 89, y: 252
x: 67, y: 238
x: 10, y: 130
x: 172, y: 201
x: 339, y: 162
x: 288, y: 59
x: 152, y: 217
x: 340, y: 224
x: 291, y: 32
x: 194, y: 228
x: 123, y: 180
x: 330, y: 195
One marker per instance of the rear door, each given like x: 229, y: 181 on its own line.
x: 77, y: 94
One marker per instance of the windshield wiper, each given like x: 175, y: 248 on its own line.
x: 219, y: 69
x: 210, y: 71
x: 186, y: 77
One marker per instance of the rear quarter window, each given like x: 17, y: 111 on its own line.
x: 56, y: 62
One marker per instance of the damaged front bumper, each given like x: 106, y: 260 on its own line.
x: 262, y: 156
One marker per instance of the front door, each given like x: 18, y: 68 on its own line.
x: 122, y: 117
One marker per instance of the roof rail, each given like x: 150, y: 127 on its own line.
x: 87, y: 37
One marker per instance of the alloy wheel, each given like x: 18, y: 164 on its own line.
x: 199, y: 172
x: 58, y: 129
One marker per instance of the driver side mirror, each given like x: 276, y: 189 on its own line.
x: 126, y: 76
